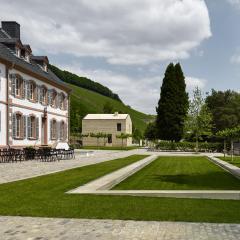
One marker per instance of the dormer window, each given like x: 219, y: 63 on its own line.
x: 27, y: 57
x: 41, y: 61
x: 45, y: 68
x: 18, y: 52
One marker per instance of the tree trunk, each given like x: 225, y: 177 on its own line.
x: 197, y: 144
x: 231, y: 149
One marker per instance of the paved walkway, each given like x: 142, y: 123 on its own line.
x: 16, y: 171
x: 18, y: 228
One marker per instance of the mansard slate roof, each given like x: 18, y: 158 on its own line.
x: 8, y: 55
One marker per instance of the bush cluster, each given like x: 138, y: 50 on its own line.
x: 189, y: 146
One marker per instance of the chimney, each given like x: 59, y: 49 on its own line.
x: 11, y: 28
x: 115, y: 114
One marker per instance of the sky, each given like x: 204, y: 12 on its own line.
x: 126, y: 45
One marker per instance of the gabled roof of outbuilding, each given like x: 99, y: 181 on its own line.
x: 106, y: 117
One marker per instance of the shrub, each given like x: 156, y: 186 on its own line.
x: 189, y: 146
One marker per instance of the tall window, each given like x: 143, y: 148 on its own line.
x: 18, y: 125
x: 32, y: 87
x: 62, y: 130
x: 33, y: 127
x: 62, y: 99
x: 54, y: 98
x: 18, y: 86
x: 54, y: 129
x: 43, y: 96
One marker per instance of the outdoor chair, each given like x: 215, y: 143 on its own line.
x: 48, y: 154
x: 18, y: 155
x: 29, y: 153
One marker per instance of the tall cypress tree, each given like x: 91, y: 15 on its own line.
x: 173, y: 104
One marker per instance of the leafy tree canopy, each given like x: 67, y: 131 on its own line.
x: 225, y: 109
x: 151, y: 131
x: 199, y: 120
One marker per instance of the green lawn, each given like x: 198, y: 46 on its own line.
x: 180, y: 173
x: 45, y: 197
x: 110, y: 148
x: 236, y: 160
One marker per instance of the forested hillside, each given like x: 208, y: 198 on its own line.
x: 84, y: 82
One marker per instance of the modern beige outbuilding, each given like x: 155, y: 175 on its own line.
x: 112, y: 125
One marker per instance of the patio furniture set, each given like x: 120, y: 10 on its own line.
x: 9, y: 155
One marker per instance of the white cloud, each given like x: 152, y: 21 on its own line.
x: 122, y: 32
x: 234, y: 2
x: 140, y: 93
x: 193, y: 82
x: 235, y: 59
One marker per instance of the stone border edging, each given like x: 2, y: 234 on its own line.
x: 235, y: 171
x: 192, y: 194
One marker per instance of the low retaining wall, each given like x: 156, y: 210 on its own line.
x: 235, y: 171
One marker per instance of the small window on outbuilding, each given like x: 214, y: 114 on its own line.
x: 110, y: 138
x: 119, y: 127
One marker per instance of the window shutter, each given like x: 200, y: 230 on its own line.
x: 51, y: 98
x: 23, y: 88
x: 24, y: 127
x: 41, y: 95
x: 58, y: 130
x: 35, y: 93
x: 49, y: 92
x: 29, y: 127
x: 14, y: 125
x: 13, y: 84
x: 51, y: 129
x: 56, y: 100
x: 28, y: 90
x: 38, y: 93
x: 37, y: 128
x: 59, y: 100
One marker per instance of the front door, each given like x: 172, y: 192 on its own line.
x: 44, y: 131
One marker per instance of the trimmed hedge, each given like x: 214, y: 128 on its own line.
x: 189, y: 146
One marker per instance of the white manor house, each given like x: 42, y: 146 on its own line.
x: 34, y: 102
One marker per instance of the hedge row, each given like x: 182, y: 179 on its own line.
x: 189, y: 146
